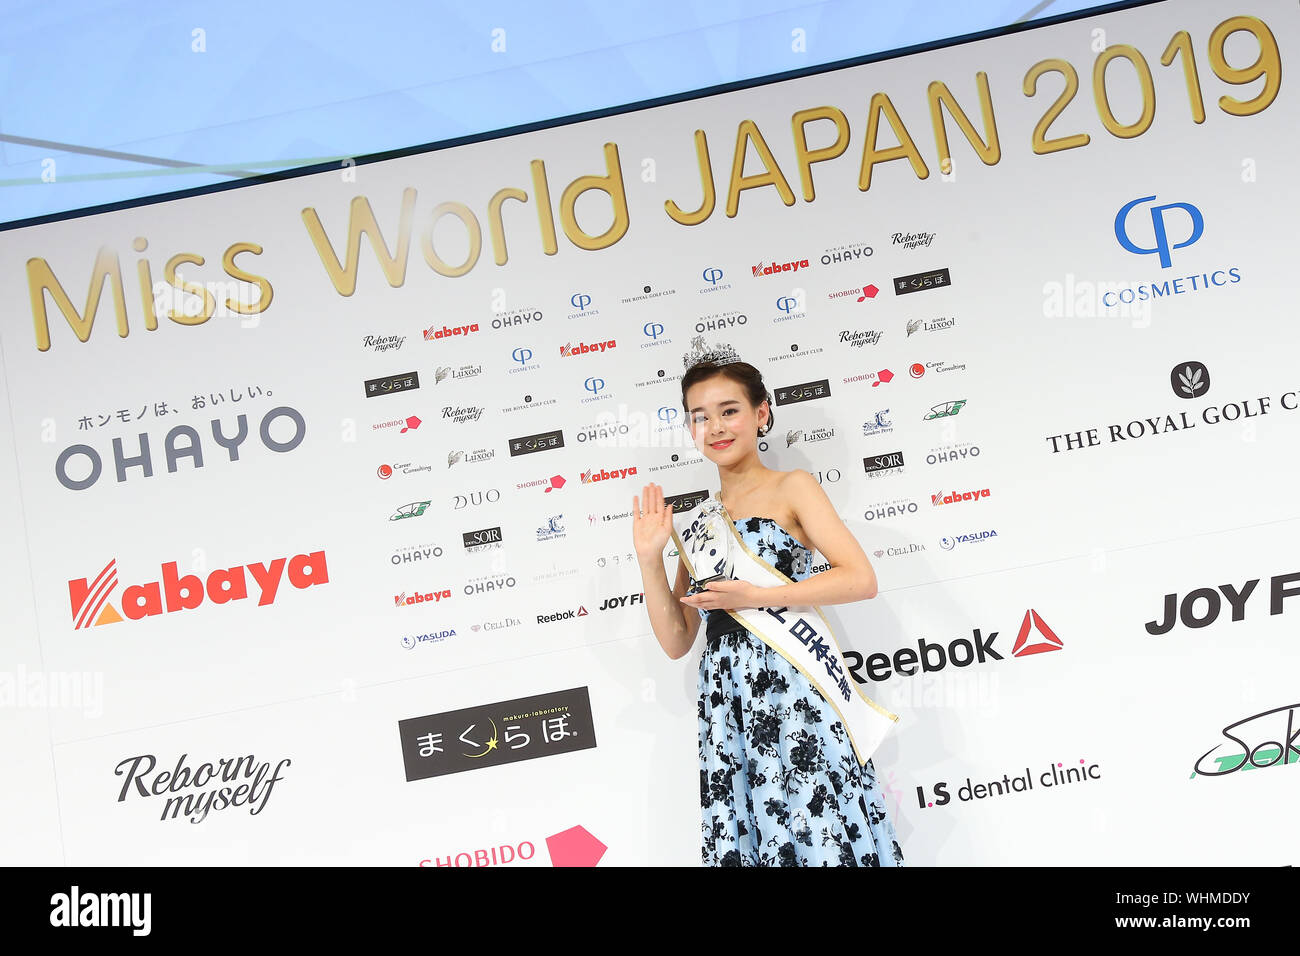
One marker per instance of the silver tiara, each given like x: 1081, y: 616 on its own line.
x: 720, y: 354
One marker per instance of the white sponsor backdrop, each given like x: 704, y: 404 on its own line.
x: 1091, y: 538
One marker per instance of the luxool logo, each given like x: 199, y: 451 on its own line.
x: 568, y: 615
x: 947, y: 499
x: 90, y: 599
x: 1190, y: 380
x: 936, y: 325
x: 591, y: 475
x: 1266, y: 739
x: 1161, y: 247
x: 944, y: 410
x: 622, y: 600
x: 1035, y: 637
x: 1056, y: 775
x: 807, y: 392
x: 974, y: 537
x: 392, y: 384
x: 1236, y: 598
x: 443, y: 372
x: 568, y: 350
x: 542, y: 441
x: 420, y: 597
x: 768, y: 269
x: 921, y: 281
x: 554, y: 528
x: 412, y: 510
x: 433, y: 332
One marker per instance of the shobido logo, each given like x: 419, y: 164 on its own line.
x: 582, y: 348
x: 90, y: 599
x: 181, y: 442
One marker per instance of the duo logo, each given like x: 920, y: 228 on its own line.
x: 1162, y: 247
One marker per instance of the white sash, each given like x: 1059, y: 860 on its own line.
x: 709, y: 544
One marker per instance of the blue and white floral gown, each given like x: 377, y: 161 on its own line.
x: 779, y: 782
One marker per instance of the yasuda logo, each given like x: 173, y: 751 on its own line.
x: 91, y: 599
x: 1190, y: 219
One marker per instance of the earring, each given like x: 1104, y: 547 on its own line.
x: 764, y: 428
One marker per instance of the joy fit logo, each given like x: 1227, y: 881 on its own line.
x: 591, y: 475
x: 582, y: 348
x: 769, y: 269
x: 91, y: 605
x: 947, y: 499
x: 420, y: 597
x: 1034, y: 637
x: 433, y: 332
x: 625, y: 600
x: 1187, y: 611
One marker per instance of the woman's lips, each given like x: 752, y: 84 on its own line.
x: 719, y: 445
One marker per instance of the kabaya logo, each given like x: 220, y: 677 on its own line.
x: 1262, y: 740
x: 591, y: 475
x: 806, y: 392
x: 568, y: 615
x: 383, y: 343
x: 889, y: 463
x: 770, y: 269
x: 973, y: 538
x: 1035, y: 637
x: 952, y: 498
x: 434, y: 332
x: 252, y: 781
x: 420, y: 597
x: 857, y: 338
x: 181, y: 442
x: 622, y: 600
x: 90, y: 599
x: 1236, y: 598
x: 482, y: 540
x: 582, y: 348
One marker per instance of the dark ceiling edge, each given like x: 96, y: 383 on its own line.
x: 575, y: 118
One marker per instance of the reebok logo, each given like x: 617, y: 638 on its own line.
x: 582, y: 348
x: 562, y: 615
x: 948, y: 499
x: 90, y: 599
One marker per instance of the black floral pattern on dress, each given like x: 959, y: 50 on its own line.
x: 779, y: 782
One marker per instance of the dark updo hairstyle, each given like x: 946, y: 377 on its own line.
x: 742, y: 373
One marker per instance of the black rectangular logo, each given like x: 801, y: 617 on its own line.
x: 807, y: 392
x: 489, y: 735
x: 544, y: 441
x: 392, y: 384
x: 919, y: 282
x: 685, y: 502
x: 474, y: 539
x: 876, y: 463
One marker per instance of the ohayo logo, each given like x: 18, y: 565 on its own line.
x: 90, y: 599
x: 1034, y: 637
x: 1161, y: 247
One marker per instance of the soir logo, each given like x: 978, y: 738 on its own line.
x: 90, y: 599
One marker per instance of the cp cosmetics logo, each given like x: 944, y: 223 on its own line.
x: 1193, y: 221
x: 91, y: 605
x: 1262, y: 740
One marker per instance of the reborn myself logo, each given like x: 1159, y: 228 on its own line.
x: 92, y: 604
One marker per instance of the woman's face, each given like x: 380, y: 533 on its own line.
x: 722, y: 422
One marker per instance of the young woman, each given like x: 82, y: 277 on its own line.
x: 780, y: 784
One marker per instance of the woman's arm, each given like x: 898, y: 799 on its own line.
x: 675, y: 625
